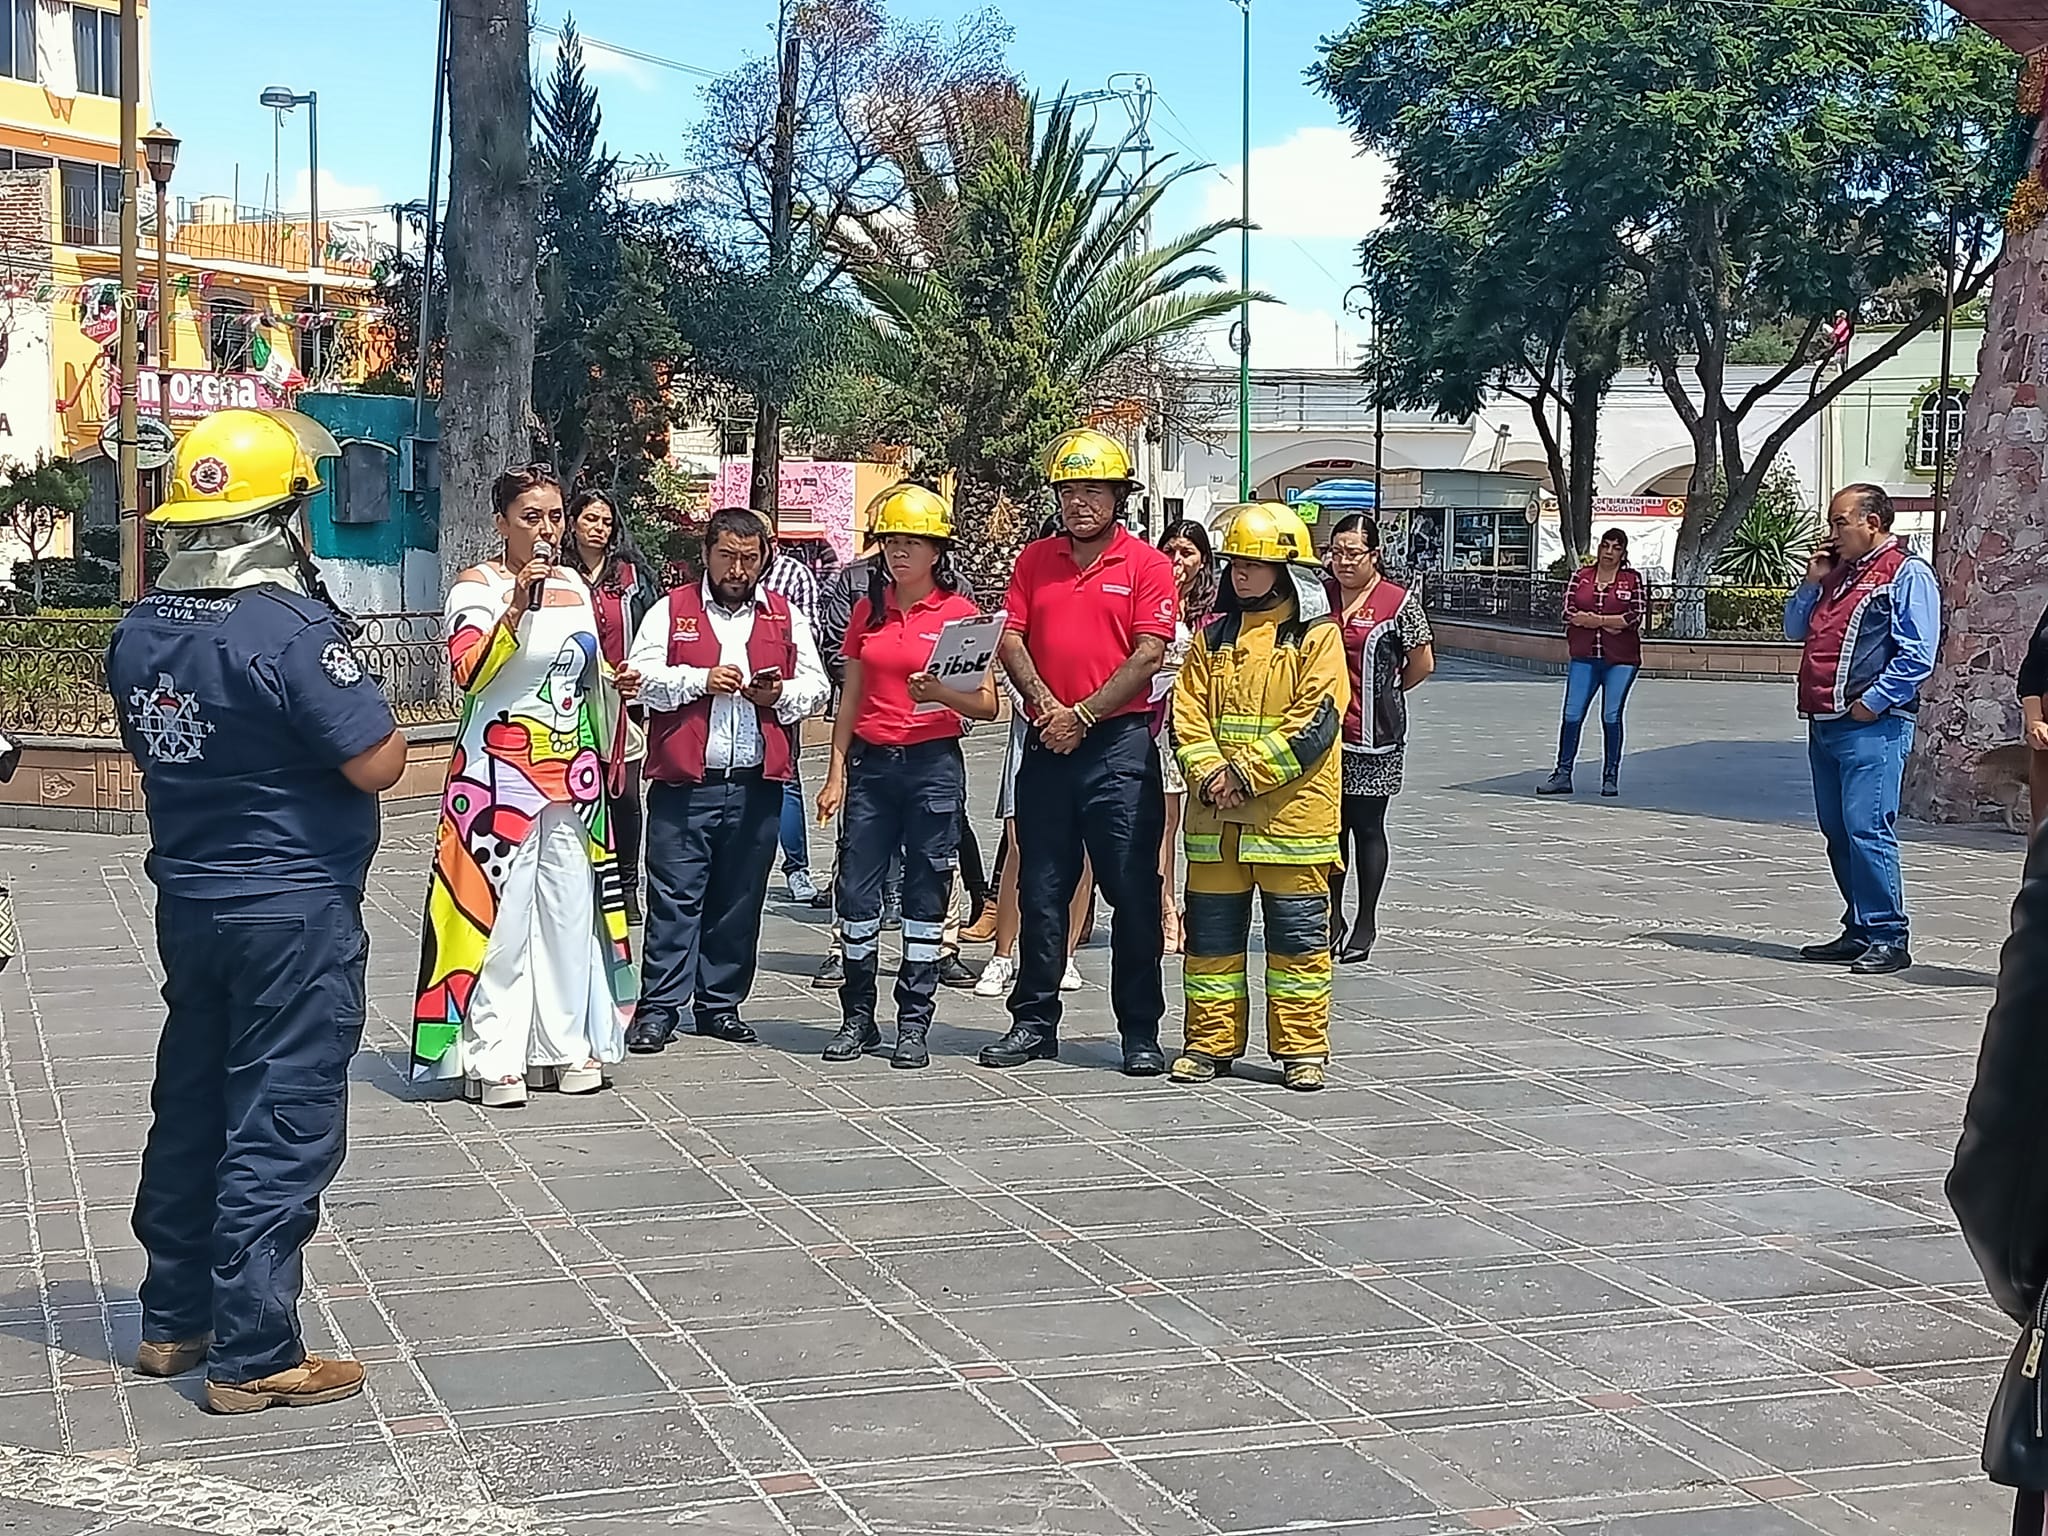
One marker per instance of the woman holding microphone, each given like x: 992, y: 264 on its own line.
x: 896, y: 772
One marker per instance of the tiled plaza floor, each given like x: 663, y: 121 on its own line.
x: 1614, y: 1222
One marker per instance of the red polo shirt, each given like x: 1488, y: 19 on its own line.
x: 1080, y: 626
x: 888, y: 653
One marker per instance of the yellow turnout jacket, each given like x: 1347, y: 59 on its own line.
x: 1265, y: 693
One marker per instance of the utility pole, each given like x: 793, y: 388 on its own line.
x: 131, y: 281
x: 419, y: 372
x: 765, y: 490
x: 1244, y: 319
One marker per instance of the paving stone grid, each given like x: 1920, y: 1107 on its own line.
x: 1613, y: 1221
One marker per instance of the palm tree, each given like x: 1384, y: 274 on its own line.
x: 1023, y: 296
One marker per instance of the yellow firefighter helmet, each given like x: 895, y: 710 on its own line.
x: 912, y: 509
x: 1086, y: 454
x: 1264, y: 530
x: 237, y: 463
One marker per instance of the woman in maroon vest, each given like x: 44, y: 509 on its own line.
x: 621, y: 591
x: 896, y: 769
x: 1603, y: 618
x: 1388, y: 644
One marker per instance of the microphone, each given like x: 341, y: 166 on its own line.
x: 542, y: 550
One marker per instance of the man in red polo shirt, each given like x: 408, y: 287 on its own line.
x: 1090, y: 612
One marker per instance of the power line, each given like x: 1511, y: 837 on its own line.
x: 639, y: 56
x: 1231, y: 181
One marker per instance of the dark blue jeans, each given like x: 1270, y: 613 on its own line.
x: 710, y: 849
x: 902, y: 803
x: 1612, y: 681
x: 1856, y: 774
x: 250, y: 1116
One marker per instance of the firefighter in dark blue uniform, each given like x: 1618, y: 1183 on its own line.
x: 263, y: 746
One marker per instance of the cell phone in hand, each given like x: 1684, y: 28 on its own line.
x: 764, y: 677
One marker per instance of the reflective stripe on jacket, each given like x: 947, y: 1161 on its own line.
x: 1265, y: 694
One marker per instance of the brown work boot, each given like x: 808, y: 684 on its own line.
x: 307, y: 1385
x: 171, y: 1357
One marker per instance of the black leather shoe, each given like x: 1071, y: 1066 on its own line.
x: 831, y: 974
x: 1881, y: 960
x: 1023, y: 1043
x: 911, y: 1051
x: 853, y: 1041
x: 1143, y: 1061
x: 1836, y: 951
x: 647, y: 1036
x: 955, y: 972
x: 1356, y: 952
x: 1338, y: 932
x: 726, y: 1027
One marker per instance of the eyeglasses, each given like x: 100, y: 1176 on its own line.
x: 1338, y: 552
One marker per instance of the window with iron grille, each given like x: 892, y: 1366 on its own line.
x: 1928, y: 440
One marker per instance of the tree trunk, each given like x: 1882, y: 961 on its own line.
x: 764, y: 486
x: 1692, y: 560
x: 988, y: 530
x: 1582, y: 408
x: 487, y: 376
x: 1994, y: 582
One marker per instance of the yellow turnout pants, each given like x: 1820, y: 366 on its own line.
x: 1296, y: 899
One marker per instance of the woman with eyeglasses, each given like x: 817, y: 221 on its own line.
x: 1389, y: 649
x: 622, y: 589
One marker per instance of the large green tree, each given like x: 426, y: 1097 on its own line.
x: 1026, y: 305
x: 1749, y: 166
x: 607, y: 343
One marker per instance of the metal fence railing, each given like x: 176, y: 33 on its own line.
x: 53, y: 672
x: 1537, y: 602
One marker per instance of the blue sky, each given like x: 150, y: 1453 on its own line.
x: 1312, y: 196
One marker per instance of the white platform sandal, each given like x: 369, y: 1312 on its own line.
x: 571, y: 1080
x: 494, y: 1095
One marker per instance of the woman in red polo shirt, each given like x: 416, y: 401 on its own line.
x: 896, y: 771
x: 1603, y: 617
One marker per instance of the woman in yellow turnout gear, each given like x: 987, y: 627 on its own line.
x: 1256, y: 715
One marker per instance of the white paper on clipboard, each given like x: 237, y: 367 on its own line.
x: 963, y: 653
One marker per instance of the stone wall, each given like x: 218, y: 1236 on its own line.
x: 1994, y: 577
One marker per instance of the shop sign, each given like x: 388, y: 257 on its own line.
x: 1638, y: 506
x: 196, y: 392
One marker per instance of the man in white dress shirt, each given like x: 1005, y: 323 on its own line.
x: 724, y: 669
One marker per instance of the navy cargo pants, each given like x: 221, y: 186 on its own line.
x: 250, y: 1106
x: 900, y: 802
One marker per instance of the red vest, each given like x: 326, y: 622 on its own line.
x: 1378, y: 717
x: 1849, y: 636
x: 676, y: 739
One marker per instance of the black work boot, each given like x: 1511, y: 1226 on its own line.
x: 855, y: 1037
x: 1024, y: 1042
x: 910, y: 1047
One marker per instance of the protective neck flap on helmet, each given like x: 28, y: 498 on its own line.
x: 223, y: 557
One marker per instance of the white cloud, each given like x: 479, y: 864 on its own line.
x: 1316, y: 185
x: 351, y: 210
x: 1287, y: 337
x: 601, y: 59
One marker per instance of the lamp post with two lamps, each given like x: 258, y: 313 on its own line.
x: 282, y: 98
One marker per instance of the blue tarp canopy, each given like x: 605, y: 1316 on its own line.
x: 1341, y: 496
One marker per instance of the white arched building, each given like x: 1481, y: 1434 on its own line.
x: 1315, y: 424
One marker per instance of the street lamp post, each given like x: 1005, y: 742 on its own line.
x: 282, y: 98
x: 1370, y: 313
x: 1244, y: 319
x: 160, y: 154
